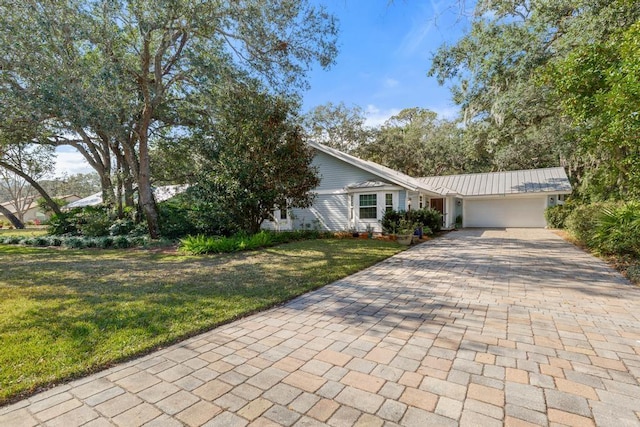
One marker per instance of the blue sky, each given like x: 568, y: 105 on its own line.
x: 385, y: 51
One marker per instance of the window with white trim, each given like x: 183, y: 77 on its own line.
x: 368, y: 206
x: 388, y: 202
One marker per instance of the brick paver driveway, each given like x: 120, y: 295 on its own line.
x: 478, y: 328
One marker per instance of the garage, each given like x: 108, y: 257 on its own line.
x: 505, y: 212
x: 507, y: 199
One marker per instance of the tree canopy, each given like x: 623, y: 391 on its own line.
x: 253, y: 160
x: 529, y: 75
x: 111, y: 77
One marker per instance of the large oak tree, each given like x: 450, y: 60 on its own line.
x: 109, y: 76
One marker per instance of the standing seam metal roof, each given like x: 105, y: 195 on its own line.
x: 547, y: 180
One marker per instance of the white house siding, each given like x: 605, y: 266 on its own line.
x: 336, y: 174
x: 505, y: 212
x: 329, y: 212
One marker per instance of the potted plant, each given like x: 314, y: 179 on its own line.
x: 369, y: 231
x: 405, y: 231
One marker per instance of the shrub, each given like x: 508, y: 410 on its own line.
x: 123, y: 226
x: 55, y: 241
x: 63, y: 224
x: 583, y: 220
x: 556, y: 216
x: 94, y: 221
x: 74, y: 242
x: 41, y: 241
x: 633, y: 273
x: 201, y: 244
x: 175, y: 219
x: 121, y: 242
x: 430, y: 219
x: 617, y: 230
x: 260, y: 240
x: 391, y: 220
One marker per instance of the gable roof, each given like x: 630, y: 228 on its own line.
x: 547, y: 180
x: 391, y: 175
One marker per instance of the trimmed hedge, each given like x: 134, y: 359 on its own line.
x: 78, y: 242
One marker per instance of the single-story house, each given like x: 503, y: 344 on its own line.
x: 354, y: 194
x: 32, y: 211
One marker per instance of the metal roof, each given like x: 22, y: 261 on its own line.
x: 389, y: 174
x: 548, y: 180
x: 159, y: 193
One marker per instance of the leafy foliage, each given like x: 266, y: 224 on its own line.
x: 556, y: 216
x: 395, y: 220
x: 599, y: 85
x: 429, y: 218
x: 107, y: 77
x: 551, y: 82
x: 583, y: 220
x: 255, y: 160
x: 200, y: 244
x: 618, y: 230
x: 338, y: 126
x: 93, y: 221
x: 417, y: 143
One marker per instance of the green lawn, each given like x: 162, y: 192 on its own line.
x: 64, y: 313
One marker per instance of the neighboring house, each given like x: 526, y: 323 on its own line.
x: 354, y: 194
x: 33, y: 212
x: 160, y: 193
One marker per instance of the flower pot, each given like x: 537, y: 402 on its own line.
x: 404, y: 239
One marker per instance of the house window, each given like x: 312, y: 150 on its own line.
x: 388, y: 202
x: 368, y: 206
x: 283, y: 213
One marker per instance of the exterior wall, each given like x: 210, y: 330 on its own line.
x: 336, y: 208
x: 360, y: 224
x: 336, y: 174
x: 329, y: 212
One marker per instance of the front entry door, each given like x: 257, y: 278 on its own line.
x: 437, y: 204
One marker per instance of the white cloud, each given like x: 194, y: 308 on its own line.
x: 376, y: 117
x: 69, y: 161
x: 391, y: 83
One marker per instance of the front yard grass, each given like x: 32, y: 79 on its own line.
x: 66, y: 313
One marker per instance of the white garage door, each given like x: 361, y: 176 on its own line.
x: 504, y: 212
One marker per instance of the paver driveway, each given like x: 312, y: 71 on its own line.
x: 479, y: 328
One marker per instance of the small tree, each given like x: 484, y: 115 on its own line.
x: 255, y: 161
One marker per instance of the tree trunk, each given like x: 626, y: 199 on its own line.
x: 48, y: 200
x: 11, y: 217
x: 145, y: 193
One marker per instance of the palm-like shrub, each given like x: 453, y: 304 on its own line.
x: 617, y: 230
